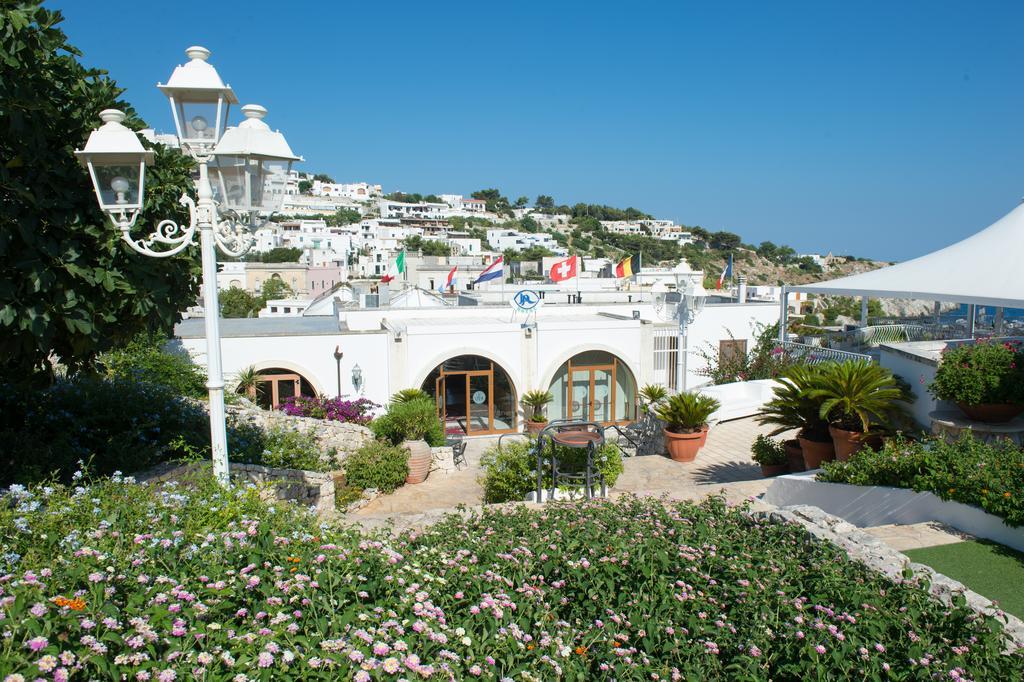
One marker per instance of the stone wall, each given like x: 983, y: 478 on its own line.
x: 878, y: 556
x: 342, y: 438
x: 307, y: 488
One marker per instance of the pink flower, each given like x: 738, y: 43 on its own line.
x: 37, y: 643
x: 820, y: 649
x: 265, y: 659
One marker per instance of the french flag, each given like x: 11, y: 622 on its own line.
x: 493, y: 271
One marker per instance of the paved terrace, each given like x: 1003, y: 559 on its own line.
x: 723, y: 464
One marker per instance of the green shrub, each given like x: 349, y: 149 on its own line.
x: 990, y: 476
x: 982, y: 372
x: 146, y: 360
x: 118, y: 424
x: 768, y: 451
x: 377, y: 465
x: 509, y: 472
x: 283, y: 448
x: 414, y: 419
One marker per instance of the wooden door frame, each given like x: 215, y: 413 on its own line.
x: 272, y: 379
x: 613, y: 370
x: 467, y: 373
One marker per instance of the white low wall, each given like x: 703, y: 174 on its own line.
x: 866, y: 506
x: 740, y: 399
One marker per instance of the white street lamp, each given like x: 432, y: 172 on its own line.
x: 200, y: 101
x: 253, y: 155
x: 692, y: 298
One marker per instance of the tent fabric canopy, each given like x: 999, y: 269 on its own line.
x: 987, y: 268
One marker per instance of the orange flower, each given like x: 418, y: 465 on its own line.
x: 580, y: 650
x: 1006, y: 495
x: 529, y: 647
x: 76, y: 604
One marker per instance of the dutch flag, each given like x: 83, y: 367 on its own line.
x: 493, y: 271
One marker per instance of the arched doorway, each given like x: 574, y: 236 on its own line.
x: 273, y: 385
x: 593, y: 386
x: 474, y: 396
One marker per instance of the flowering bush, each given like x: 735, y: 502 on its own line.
x: 766, y: 360
x: 355, y: 411
x: 510, y: 470
x: 990, y: 476
x: 119, y: 581
x: 980, y: 373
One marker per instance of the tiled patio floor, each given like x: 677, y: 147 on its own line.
x: 723, y: 464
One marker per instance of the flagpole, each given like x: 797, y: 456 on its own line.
x: 577, y: 278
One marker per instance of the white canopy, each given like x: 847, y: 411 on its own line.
x: 985, y: 269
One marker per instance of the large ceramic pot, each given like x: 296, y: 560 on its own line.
x: 535, y: 427
x: 420, y: 458
x: 991, y: 413
x: 816, y: 452
x: 795, y: 454
x: 845, y: 442
x: 769, y: 470
x: 683, y: 447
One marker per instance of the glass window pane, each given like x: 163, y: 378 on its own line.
x: 602, y: 400
x: 556, y: 408
x: 479, y: 403
x: 625, y: 394
x: 118, y: 185
x: 504, y: 401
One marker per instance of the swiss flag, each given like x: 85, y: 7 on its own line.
x: 563, y: 269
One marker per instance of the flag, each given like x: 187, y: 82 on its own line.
x: 449, y: 281
x: 495, y: 270
x: 397, y: 268
x: 628, y: 267
x: 726, y: 273
x: 563, y: 269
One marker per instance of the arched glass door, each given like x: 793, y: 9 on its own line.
x: 593, y: 386
x: 473, y: 395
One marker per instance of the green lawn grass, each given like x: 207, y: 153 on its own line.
x: 988, y: 568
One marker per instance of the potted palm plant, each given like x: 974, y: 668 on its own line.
x: 652, y: 395
x: 856, y: 395
x: 771, y: 455
x: 686, y: 423
x: 535, y: 401
x: 796, y: 407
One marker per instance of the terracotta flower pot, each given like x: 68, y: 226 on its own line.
x: 420, y: 458
x: 683, y: 447
x: 991, y: 413
x: 795, y: 455
x: 816, y: 452
x: 535, y: 427
x: 848, y: 442
x: 769, y: 470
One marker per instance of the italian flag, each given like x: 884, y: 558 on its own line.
x: 397, y: 268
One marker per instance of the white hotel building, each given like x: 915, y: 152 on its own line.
x: 478, y: 358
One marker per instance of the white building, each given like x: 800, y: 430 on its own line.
x: 402, y: 210
x: 477, y: 360
x: 459, y: 203
x: 502, y: 239
x: 355, y: 191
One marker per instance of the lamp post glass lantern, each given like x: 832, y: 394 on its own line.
x: 254, y: 156
x: 357, y: 378
x: 691, y: 303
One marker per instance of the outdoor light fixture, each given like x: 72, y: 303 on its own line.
x: 245, y: 160
x: 117, y: 164
x: 338, y: 355
x: 357, y: 378
x: 200, y: 102
x: 691, y: 299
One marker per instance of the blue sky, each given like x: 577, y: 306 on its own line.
x: 880, y: 129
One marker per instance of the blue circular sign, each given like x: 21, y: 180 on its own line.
x: 525, y: 300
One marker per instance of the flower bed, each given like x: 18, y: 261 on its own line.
x: 186, y: 582
x: 353, y: 411
x: 990, y: 476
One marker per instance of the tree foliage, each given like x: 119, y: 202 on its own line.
x: 69, y: 288
x: 279, y: 254
x: 343, y: 216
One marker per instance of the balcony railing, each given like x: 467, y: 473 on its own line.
x: 815, y: 355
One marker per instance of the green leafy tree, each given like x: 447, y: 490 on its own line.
x: 275, y: 288
x: 235, y: 302
x: 544, y: 202
x: 496, y: 202
x: 69, y: 287
x: 305, y: 186
x: 725, y: 241
x: 521, y: 202
x: 279, y: 254
x: 528, y: 224
x: 323, y: 177
x: 343, y: 216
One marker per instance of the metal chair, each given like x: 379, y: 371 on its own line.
x: 575, y: 435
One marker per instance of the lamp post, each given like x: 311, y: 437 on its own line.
x: 245, y: 159
x: 338, y: 355
x: 691, y: 303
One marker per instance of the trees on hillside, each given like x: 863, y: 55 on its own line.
x: 280, y: 254
x: 69, y: 288
x: 544, y: 202
x: 305, y: 186
x: 343, y: 216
